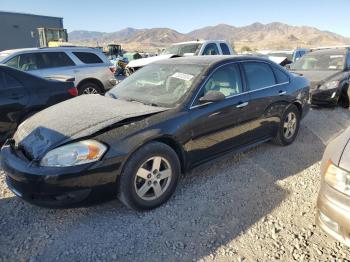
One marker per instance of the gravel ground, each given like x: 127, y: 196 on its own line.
x: 255, y: 206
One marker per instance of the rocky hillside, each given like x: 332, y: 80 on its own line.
x: 255, y: 36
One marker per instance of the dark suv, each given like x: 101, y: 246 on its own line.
x: 329, y: 72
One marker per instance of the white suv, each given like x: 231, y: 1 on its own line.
x: 93, y: 72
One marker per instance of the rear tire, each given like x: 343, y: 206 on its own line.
x: 89, y: 88
x: 150, y: 177
x: 289, y: 127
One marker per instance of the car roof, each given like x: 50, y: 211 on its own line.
x: 200, y: 42
x: 210, y: 60
x: 51, y: 49
x: 331, y: 51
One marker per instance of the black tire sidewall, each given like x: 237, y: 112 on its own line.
x: 126, y: 189
x: 284, y: 140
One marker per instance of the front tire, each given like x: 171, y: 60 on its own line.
x: 149, y: 177
x: 289, y: 127
x: 344, y: 100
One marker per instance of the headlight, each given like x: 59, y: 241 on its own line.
x: 337, y: 178
x: 74, y: 154
x: 329, y: 85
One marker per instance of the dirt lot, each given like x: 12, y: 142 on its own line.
x: 256, y: 206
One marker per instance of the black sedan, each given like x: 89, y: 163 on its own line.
x: 22, y: 95
x: 157, y: 124
x: 328, y: 71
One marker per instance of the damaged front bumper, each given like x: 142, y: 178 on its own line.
x: 328, y: 97
x: 54, y: 186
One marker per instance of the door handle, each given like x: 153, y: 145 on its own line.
x: 281, y: 93
x: 241, y: 105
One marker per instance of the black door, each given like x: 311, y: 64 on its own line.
x: 13, y: 99
x: 219, y: 127
x: 268, y: 97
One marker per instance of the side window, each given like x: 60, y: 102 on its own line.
x: 224, y: 48
x: 11, y: 82
x: 211, y: 49
x: 13, y: 62
x: 348, y: 62
x: 259, y: 75
x: 29, y: 62
x: 281, y: 76
x: 88, y: 58
x: 226, y: 80
x: 55, y: 59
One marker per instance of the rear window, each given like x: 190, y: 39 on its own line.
x: 224, y: 48
x: 259, y: 75
x: 281, y: 76
x: 56, y: 59
x: 88, y: 58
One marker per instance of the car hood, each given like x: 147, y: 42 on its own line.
x: 277, y: 59
x: 317, y: 78
x: 145, y: 61
x: 338, y: 151
x: 73, y: 119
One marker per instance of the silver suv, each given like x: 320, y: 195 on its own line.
x: 93, y: 72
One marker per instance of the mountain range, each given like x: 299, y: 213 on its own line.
x: 255, y: 36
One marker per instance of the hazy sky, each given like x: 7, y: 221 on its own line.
x: 186, y: 15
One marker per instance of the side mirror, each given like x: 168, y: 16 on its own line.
x: 211, y: 97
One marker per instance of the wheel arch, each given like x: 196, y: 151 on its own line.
x: 299, y: 106
x: 91, y: 80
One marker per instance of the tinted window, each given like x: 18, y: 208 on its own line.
x: 259, y: 75
x: 211, y: 49
x: 224, y: 48
x: 281, y: 76
x: 226, y: 80
x: 348, y: 62
x: 55, y: 59
x: 34, y: 61
x: 88, y: 58
x: 11, y: 81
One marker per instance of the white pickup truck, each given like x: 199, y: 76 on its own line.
x: 192, y: 48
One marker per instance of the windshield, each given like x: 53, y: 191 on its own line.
x: 320, y: 62
x: 159, y: 85
x: 182, y: 49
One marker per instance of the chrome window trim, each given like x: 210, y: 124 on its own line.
x: 243, y: 93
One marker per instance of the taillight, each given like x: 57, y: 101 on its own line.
x: 113, y: 69
x: 73, y: 91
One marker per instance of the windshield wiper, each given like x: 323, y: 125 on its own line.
x: 141, y: 102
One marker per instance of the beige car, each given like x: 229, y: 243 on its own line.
x: 333, y: 204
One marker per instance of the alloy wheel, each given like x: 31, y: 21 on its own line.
x: 90, y: 91
x: 290, y: 125
x: 153, y: 178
